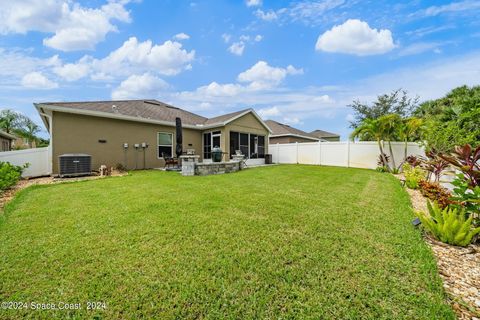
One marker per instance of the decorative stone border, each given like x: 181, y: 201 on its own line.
x: 458, y: 267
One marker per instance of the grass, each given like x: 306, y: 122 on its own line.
x: 276, y: 242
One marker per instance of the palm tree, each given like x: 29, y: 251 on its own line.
x: 9, y: 120
x: 29, y: 131
x: 410, y: 129
x: 371, y: 128
x: 389, y: 125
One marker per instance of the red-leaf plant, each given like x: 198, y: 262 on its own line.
x: 467, y: 160
x: 434, y: 165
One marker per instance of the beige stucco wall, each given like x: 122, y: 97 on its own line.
x: 246, y: 124
x: 73, y: 133
x: 288, y: 139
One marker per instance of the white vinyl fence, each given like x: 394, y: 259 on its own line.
x: 342, y: 154
x: 39, y: 160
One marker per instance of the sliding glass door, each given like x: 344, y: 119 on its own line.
x: 210, y: 141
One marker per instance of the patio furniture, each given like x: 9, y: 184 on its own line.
x: 170, y: 161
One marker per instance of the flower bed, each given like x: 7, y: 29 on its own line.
x: 459, y: 267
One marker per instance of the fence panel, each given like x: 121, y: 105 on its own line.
x: 308, y: 153
x: 38, y: 159
x: 343, y: 154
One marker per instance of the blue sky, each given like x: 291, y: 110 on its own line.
x: 297, y: 62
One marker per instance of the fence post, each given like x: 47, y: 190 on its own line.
x: 319, y: 153
x: 296, y: 144
x: 348, y: 153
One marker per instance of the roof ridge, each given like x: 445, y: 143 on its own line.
x: 93, y: 101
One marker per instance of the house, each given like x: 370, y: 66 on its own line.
x: 6, y: 140
x: 282, y: 133
x: 141, y: 133
x: 23, y: 143
x: 325, y: 135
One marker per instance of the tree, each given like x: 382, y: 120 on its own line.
x: 29, y: 131
x: 396, y: 102
x: 10, y: 120
x: 371, y: 128
x: 389, y: 125
x: 410, y: 130
x: 452, y: 120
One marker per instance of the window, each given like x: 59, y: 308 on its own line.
x: 165, y: 145
x: 251, y: 145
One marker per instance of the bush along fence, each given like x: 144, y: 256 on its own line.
x: 342, y: 154
x: 38, y: 161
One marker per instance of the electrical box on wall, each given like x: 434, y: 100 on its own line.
x: 125, y: 145
x: 144, y: 145
x: 136, y: 145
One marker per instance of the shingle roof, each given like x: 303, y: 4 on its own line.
x: 7, y: 135
x: 283, y: 129
x: 324, y: 134
x: 224, y: 118
x: 147, y: 109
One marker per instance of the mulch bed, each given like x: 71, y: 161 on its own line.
x: 459, y: 268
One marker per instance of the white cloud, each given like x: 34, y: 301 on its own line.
x: 36, y: 80
x: 417, y: 48
x: 262, y: 76
x: 307, y: 12
x: 237, y: 48
x: 226, y: 37
x: 215, y: 89
x: 135, y: 57
x: 14, y: 64
x: 73, y: 71
x: 266, y: 15
x: 139, y: 86
x: 74, y: 27
x: 269, y: 112
x: 292, y: 120
x: 355, y: 37
x: 453, y: 7
x: 258, y: 78
x: 181, y: 36
x: 253, y: 3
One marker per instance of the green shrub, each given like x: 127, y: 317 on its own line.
x: 9, y: 175
x: 413, y: 175
x: 448, y: 225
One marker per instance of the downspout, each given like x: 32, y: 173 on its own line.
x: 50, y: 145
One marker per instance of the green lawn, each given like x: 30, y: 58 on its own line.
x: 302, y: 242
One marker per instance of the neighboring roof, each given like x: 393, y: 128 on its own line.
x: 282, y: 130
x: 324, y: 134
x: 152, y: 111
x: 7, y: 135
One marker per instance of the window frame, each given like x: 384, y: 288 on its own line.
x: 164, y: 145
x: 213, y: 134
x: 256, y: 144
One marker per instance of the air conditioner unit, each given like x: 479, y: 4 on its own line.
x: 75, y: 164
